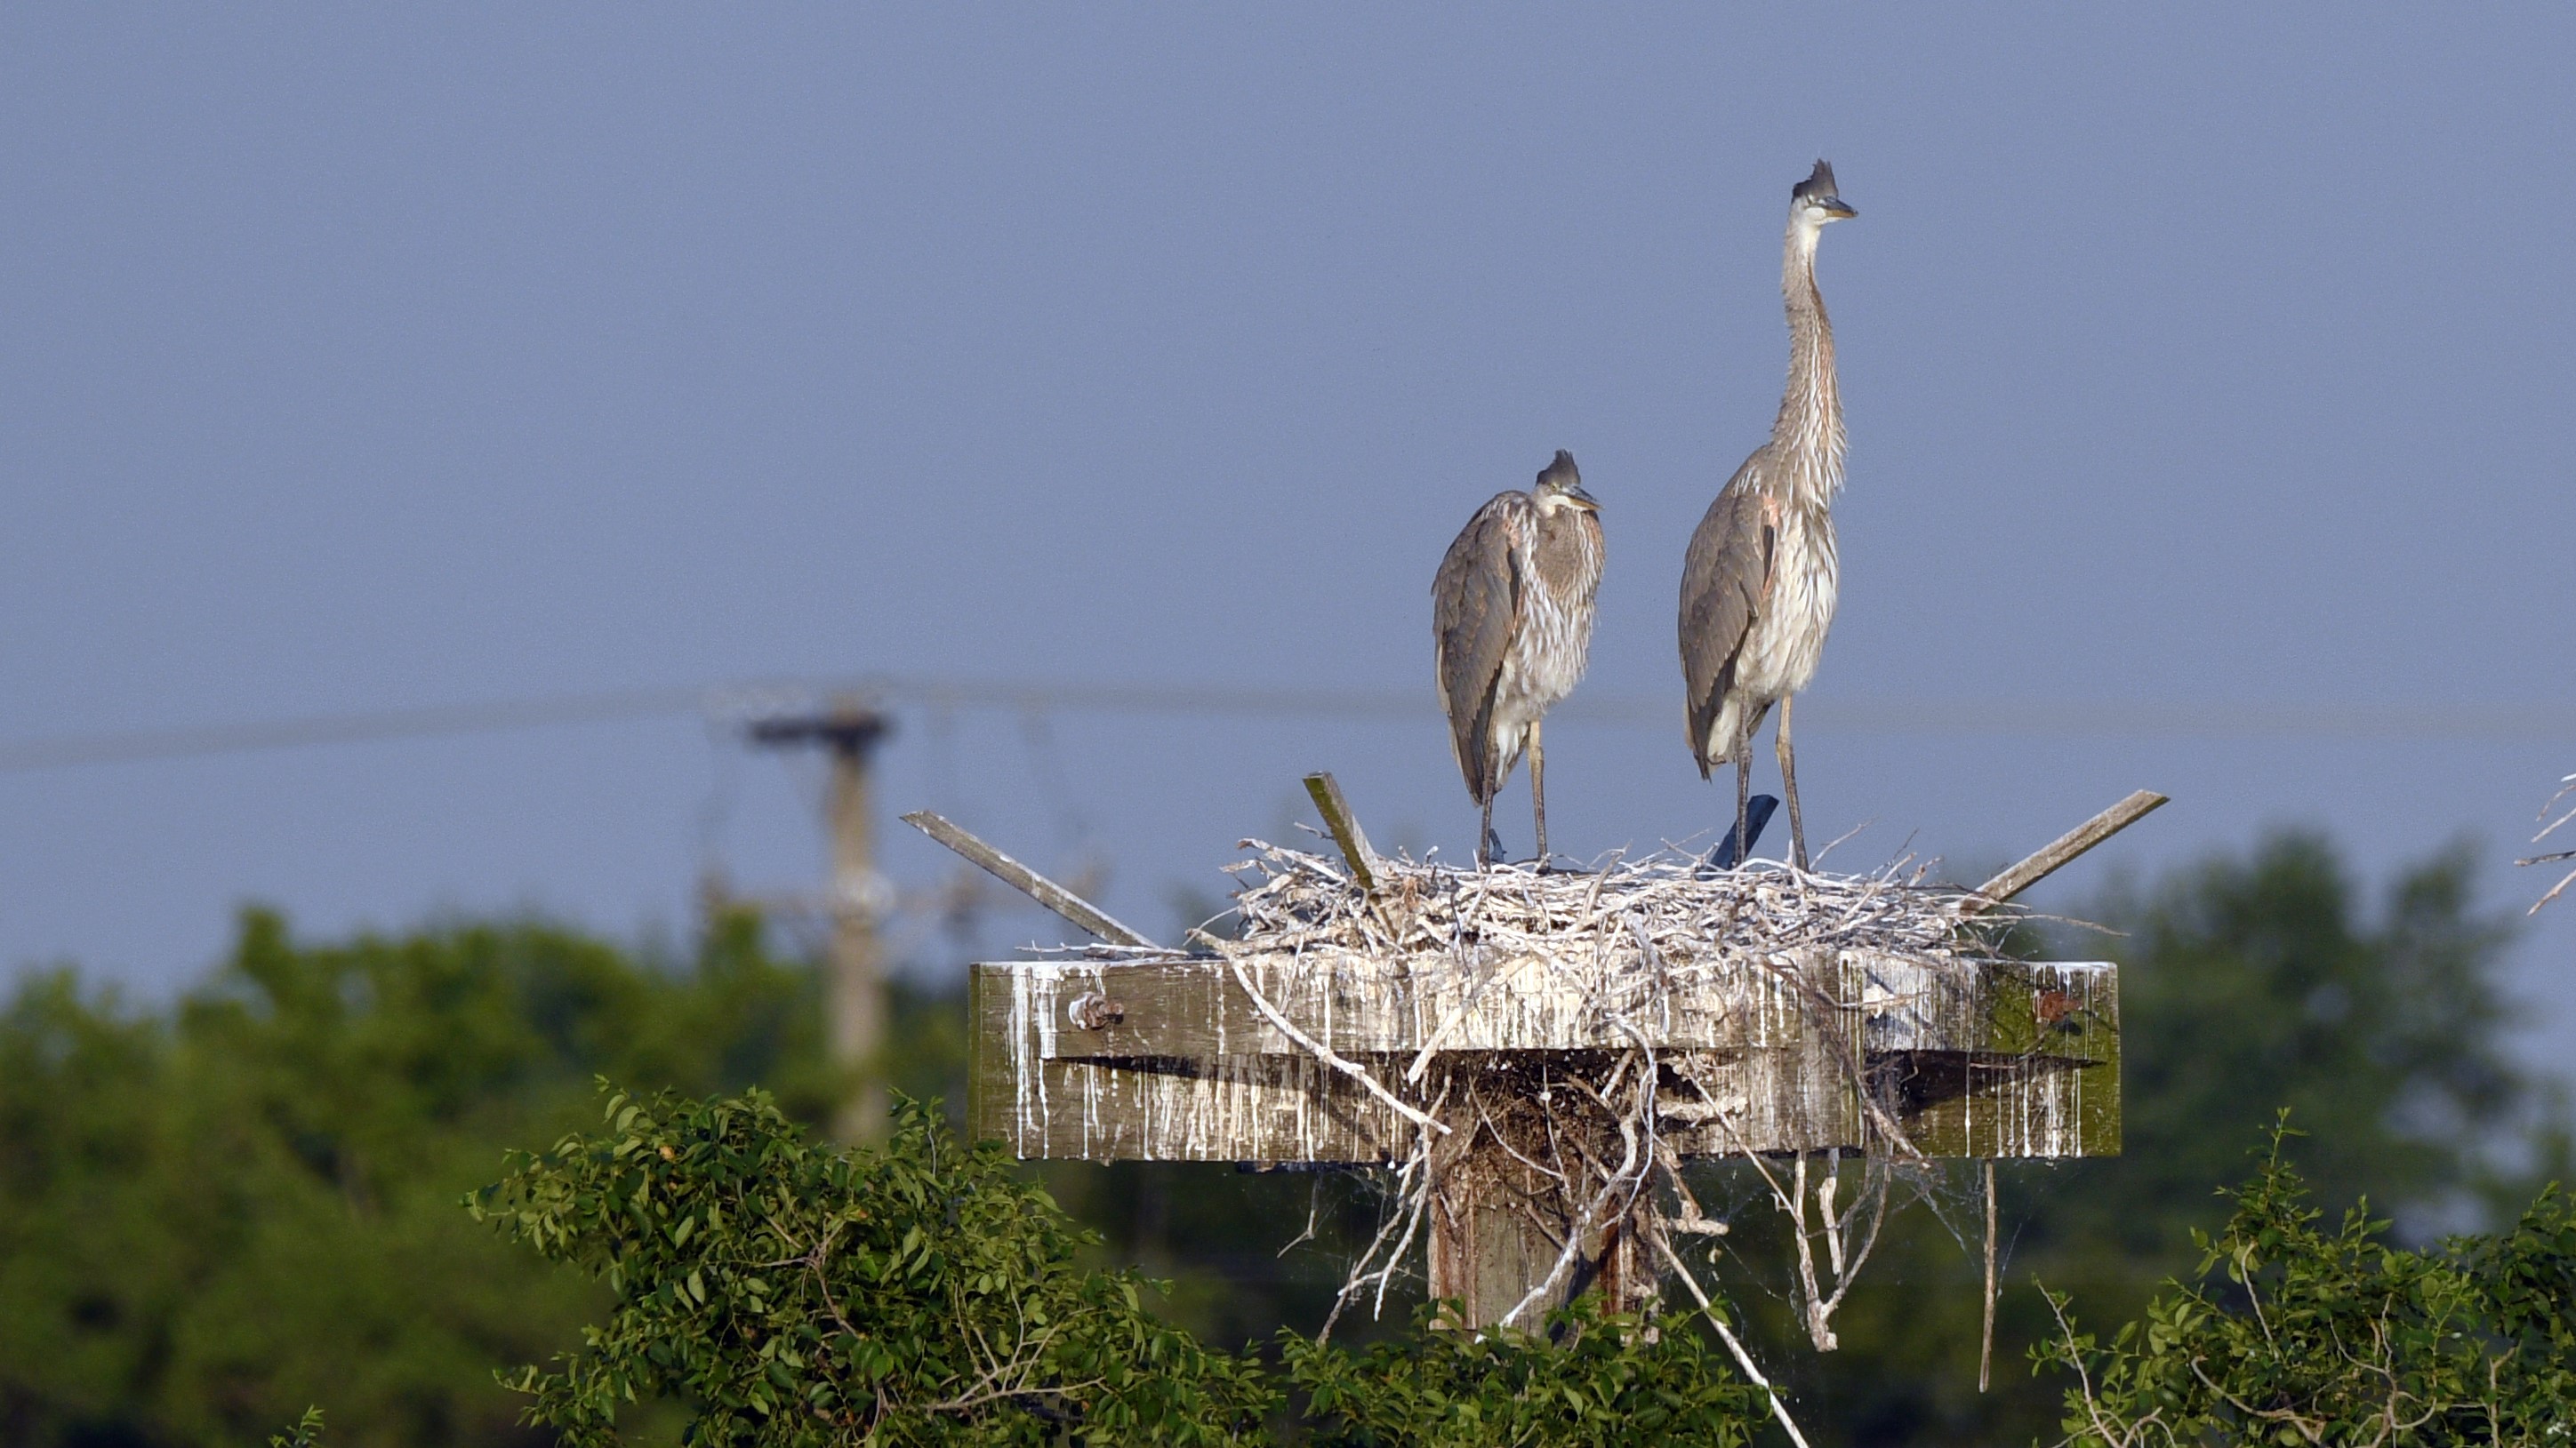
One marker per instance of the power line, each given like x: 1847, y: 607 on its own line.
x: 415, y: 723
x: 746, y: 701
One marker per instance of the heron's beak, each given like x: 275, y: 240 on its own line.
x: 1835, y: 208
x: 1586, y: 499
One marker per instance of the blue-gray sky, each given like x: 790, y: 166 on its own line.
x: 2209, y: 359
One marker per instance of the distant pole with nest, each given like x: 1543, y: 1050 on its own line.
x: 854, y: 989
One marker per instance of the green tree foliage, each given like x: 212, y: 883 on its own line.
x: 787, y: 1294
x: 1586, y: 1379
x: 2248, y: 983
x: 307, y: 1432
x: 215, y: 1212
x: 2258, y: 983
x: 925, y: 1293
x: 2298, y: 1335
x: 214, y: 1215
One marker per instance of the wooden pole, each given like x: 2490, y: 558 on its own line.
x: 1482, y: 1253
x: 858, y: 1010
x: 854, y: 986
x: 1486, y: 1250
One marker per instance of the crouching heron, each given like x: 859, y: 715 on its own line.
x: 1758, y: 582
x: 1511, y: 623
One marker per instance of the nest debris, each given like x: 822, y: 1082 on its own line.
x: 1665, y: 903
x: 1593, y: 1167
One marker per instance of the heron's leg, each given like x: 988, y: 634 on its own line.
x: 1789, y: 787
x: 1485, y: 836
x: 1743, y: 782
x: 1538, y: 790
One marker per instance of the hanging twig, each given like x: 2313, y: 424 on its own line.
x: 1631, y: 1173
x: 1325, y: 1054
x: 1412, y: 1192
x: 1986, y: 1342
x: 1743, y: 1359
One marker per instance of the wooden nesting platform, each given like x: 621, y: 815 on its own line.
x: 1171, y: 1059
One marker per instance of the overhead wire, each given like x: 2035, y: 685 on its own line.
x: 1054, y: 781
x: 741, y: 701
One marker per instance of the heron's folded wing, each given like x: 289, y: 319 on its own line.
x: 1475, y: 605
x: 1722, y: 583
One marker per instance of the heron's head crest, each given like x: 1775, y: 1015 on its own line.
x: 1819, y: 192
x: 1562, y: 479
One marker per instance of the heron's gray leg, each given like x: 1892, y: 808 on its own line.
x: 1743, y: 783
x: 1485, y: 836
x: 1789, y: 787
x: 1538, y: 790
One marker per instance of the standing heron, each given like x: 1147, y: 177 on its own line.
x: 1511, y: 623
x: 1758, y: 582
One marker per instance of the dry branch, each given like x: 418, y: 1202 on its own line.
x: 1091, y: 918
x: 2062, y: 850
x: 2566, y: 787
x: 1666, y: 908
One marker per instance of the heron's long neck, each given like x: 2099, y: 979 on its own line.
x: 1808, y: 435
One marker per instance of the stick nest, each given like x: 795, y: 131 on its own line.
x: 1665, y: 906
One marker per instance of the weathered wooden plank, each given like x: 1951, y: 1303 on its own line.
x: 1326, y: 791
x: 2046, y: 1082
x: 1988, y: 1060
x: 1237, y: 1105
x: 1192, y: 1006
x: 1292, y: 1108
x: 1091, y: 918
x: 1232, y: 1108
x: 2059, y: 852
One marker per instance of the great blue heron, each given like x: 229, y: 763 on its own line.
x: 1511, y: 621
x: 1758, y: 582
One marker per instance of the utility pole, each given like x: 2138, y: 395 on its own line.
x: 854, y: 989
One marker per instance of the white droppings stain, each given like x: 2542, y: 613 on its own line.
x: 1742, y: 1027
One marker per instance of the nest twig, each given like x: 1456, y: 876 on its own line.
x: 1665, y: 905
x: 2566, y: 787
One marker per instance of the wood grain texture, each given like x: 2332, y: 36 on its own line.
x: 1972, y: 1059
x: 1089, y: 917
x: 2057, y: 853
x: 1326, y: 792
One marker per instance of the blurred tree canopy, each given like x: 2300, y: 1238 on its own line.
x: 2295, y: 1334
x: 780, y: 1294
x: 784, y: 1294
x: 2248, y: 983
x: 215, y: 1213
